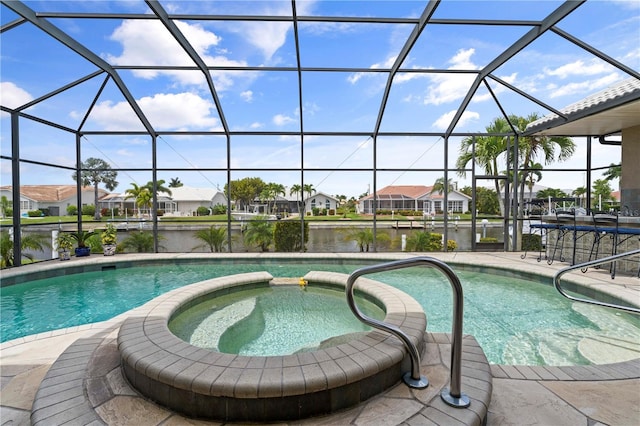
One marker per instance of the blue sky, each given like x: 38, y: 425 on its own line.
x: 552, y: 69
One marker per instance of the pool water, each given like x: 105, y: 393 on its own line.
x: 270, y: 321
x: 516, y: 321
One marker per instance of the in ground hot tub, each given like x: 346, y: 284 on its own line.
x: 210, y: 384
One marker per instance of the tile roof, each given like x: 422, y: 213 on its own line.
x: 410, y: 191
x: 51, y: 193
x: 612, y: 93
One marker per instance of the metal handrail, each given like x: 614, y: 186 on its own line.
x: 453, y: 395
x: 556, y: 281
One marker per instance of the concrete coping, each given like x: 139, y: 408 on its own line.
x: 205, y: 383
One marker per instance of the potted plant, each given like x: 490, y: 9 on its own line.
x: 108, y: 237
x: 81, y: 238
x: 65, y: 244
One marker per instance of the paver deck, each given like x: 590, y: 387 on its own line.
x: 588, y: 395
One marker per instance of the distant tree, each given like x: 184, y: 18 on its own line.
x: 5, y: 206
x: 159, y: 186
x: 613, y: 172
x: 93, y: 172
x: 270, y: 193
x: 244, y: 191
x: 141, y: 195
x: 296, y: 189
x: 601, y: 190
x: 308, y: 189
x: 175, y: 183
x: 212, y: 237
x: 438, y: 186
x: 532, y: 176
x: 552, y: 192
x: 579, y: 192
x: 487, y: 201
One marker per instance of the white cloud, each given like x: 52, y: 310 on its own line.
x: 12, y: 96
x: 578, y: 67
x: 444, y: 120
x: 247, y: 95
x: 256, y: 125
x: 180, y: 111
x: 149, y: 43
x: 450, y: 87
x: 589, y: 86
x: 388, y: 63
x: 282, y: 120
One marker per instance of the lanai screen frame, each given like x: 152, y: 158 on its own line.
x: 39, y: 19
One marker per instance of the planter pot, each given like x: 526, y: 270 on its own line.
x: 83, y: 251
x: 109, y: 249
x: 64, y: 255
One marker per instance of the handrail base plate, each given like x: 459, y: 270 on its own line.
x: 420, y: 383
x: 460, y: 402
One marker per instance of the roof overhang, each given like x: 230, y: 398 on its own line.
x: 604, y: 113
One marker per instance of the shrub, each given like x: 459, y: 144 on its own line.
x: 219, y: 209
x: 202, y: 211
x: 531, y: 242
x: 288, y: 238
x: 88, y: 210
x: 34, y: 213
x: 315, y: 211
x: 424, y: 241
x: 72, y: 210
x: 451, y: 245
x: 332, y: 212
x: 488, y: 240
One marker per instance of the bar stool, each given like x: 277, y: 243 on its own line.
x: 565, y: 220
x: 566, y: 225
x: 537, y: 227
x: 623, y: 235
x: 605, y: 225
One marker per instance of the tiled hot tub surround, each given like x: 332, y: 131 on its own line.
x: 206, y: 384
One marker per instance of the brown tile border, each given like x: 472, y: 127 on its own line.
x: 205, y: 384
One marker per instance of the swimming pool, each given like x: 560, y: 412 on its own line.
x: 516, y: 321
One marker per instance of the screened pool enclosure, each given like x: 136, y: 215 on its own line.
x: 393, y: 117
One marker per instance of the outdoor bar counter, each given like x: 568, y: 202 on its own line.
x: 579, y: 238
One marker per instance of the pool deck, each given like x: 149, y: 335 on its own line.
x: 589, y: 395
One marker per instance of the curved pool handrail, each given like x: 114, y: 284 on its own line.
x: 556, y: 281
x: 453, y: 395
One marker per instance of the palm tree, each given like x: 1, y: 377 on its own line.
x: 140, y: 194
x: 532, y: 176
x: 438, y: 186
x: 214, y: 237
x: 307, y: 188
x: 175, y: 183
x: 35, y: 242
x: 551, y: 149
x: 487, y: 151
x: 296, y: 189
x: 613, y: 172
x: 364, y: 237
x: 579, y: 192
x: 140, y: 241
x: 93, y: 172
x: 260, y: 233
